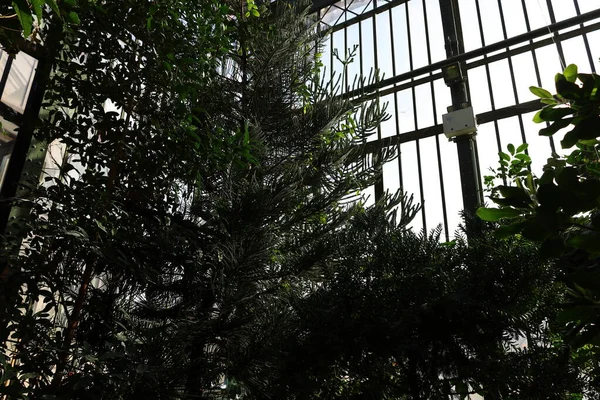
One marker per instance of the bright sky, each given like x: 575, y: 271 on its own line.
x: 429, y: 111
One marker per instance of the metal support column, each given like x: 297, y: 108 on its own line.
x: 466, y: 145
x: 27, y: 155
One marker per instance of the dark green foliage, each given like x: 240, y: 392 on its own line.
x: 270, y: 218
x: 23, y: 21
x: 401, y: 316
x: 560, y: 208
x: 211, y: 232
x: 170, y: 227
x: 116, y: 214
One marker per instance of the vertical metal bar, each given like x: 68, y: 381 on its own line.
x: 557, y: 41
x: 586, y: 42
x: 379, y: 187
x: 478, y: 169
x: 435, y: 121
x: 466, y: 145
x: 536, y: 66
x: 512, y: 72
x: 489, y: 78
x: 475, y: 150
x: 346, y: 89
x: 361, y: 64
x: 331, y: 50
x: 421, y: 191
x: 28, y: 155
x: 5, y: 74
x: 360, y: 49
x: 397, y: 118
x: 533, y: 54
x: 413, y: 98
x: 375, y: 58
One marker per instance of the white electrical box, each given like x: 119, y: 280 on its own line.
x: 459, y: 122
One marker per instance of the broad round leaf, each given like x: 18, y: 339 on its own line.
x: 511, y: 148
x: 522, y: 147
x: 570, y: 73
x: 555, y: 127
x: 496, y: 214
x: 539, y: 92
x: 24, y: 14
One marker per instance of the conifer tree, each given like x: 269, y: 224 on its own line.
x: 176, y: 219
x: 269, y: 217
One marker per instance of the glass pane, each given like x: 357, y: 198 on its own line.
x: 432, y: 202
x: 6, y: 145
x: 388, y: 127
x: 575, y: 53
x: 418, y: 34
x: 502, y: 89
x: 470, y: 26
x: 352, y: 44
x: 524, y: 76
x: 442, y: 99
x: 492, y: 25
x: 410, y: 178
x: 514, y: 18
x: 480, y: 98
x: 20, y: 79
x: 487, y: 148
x: 9, y: 130
x: 436, y: 31
x: 367, y: 51
x: 537, y: 12
x: 400, y: 39
x: 406, y: 118
x: 3, y: 58
x: 384, y: 46
x: 453, y: 189
x: 563, y: 9
x: 391, y: 180
x: 588, y: 5
x: 424, y: 106
x: 539, y: 146
x: 339, y: 56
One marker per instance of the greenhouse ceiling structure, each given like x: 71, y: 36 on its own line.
x: 436, y: 57
x: 439, y: 56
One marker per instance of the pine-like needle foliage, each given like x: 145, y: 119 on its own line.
x: 264, y: 219
x: 402, y: 316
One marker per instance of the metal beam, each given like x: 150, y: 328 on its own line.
x: 23, y: 152
x: 408, y: 79
x: 502, y: 45
x: 27, y: 155
x: 466, y: 145
x: 490, y: 116
x: 366, y: 15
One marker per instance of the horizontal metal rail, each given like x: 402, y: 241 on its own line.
x: 535, y: 45
x: 366, y: 15
x: 496, y: 57
x: 482, y: 118
x: 483, y: 51
x: 320, y: 4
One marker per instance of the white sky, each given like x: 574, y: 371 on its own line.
x: 429, y: 112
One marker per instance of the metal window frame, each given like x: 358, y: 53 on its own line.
x: 506, y: 49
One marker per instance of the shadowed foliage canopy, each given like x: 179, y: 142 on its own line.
x: 205, y: 229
